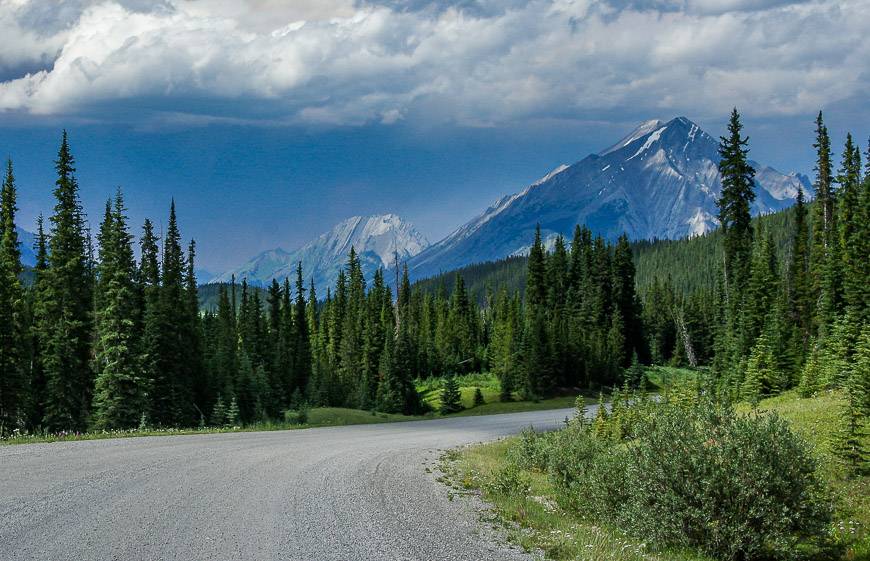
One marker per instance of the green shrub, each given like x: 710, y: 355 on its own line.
x: 533, y: 450
x: 509, y: 480
x: 589, y: 470
x: 298, y: 416
x: 733, y: 486
x: 737, y: 487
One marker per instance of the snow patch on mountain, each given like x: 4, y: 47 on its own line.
x: 661, y: 180
x: 378, y: 240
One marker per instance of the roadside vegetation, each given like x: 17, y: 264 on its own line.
x: 681, y: 477
x: 488, y: 402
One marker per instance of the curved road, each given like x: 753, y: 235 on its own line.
x: 353, y: 493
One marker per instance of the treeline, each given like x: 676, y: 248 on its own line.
x: 802, y: 319
x: 101, y: 340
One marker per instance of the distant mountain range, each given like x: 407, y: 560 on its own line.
x: 659, y: 181
x: 378, y: 240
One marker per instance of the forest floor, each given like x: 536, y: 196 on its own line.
x: 339, y: 416
x: 535, y: 522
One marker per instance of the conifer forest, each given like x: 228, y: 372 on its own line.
x: 107, y: 332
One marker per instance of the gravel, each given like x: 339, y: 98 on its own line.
x: 343, y: 493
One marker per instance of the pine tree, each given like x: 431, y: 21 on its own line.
x: 38, y: 300
x: 625, y: 299
x: 734, y: 205
x: 65, y: 332
x: 302, y: 348
x: 219, y: 412
x: 799, y: 284
x: 451, y: 399
x: 478, y: 397
x: 851, y: 443
x: 118, y: 393
x: 192, y: 335
x: 172, y: 392
x: 853, y: 261
x: 762, y: 288
x: 13, y: 379
x: 821, y: 257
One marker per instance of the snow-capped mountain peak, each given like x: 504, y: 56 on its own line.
x: 642, y: 130
x: 660, y: 180
x: 377, y: 240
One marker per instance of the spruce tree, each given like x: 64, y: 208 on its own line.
x: 38, y: 300
x: 302, y: 347
x: 119, y: 389
x: 799, y: 284
x: 853, y: 261
x: 734, y: 210
x: 65, y: 332
x: 13, y: 379
x: 149, y: 294
x: 821, y: 258
x: 451, y: 399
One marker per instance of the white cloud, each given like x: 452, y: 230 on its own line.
x: 344, y: 62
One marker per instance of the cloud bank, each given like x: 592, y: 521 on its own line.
x: 465, y: 62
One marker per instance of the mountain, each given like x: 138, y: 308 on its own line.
x: 377, y: 240
x: 659, y: 181
x: 27, y: 241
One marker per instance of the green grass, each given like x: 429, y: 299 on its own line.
x: 489, y: 386
x: 534, y: 521
x: 662, y: 377
x: 340, y: 416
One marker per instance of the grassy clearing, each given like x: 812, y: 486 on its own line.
x: 489, y: 386
x: 534, y: 520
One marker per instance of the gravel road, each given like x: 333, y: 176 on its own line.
x: 343, y: 493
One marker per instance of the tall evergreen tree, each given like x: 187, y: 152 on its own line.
x: 172, y: 396
x: 13, y: 379
x: 38, y: 300
x: 734, y: 204
x: 853, y: 261
x: 65, y: 332
x: 799, y: 283
x: 823, y: 226
x: 302, y: 346
x: 119, y: 388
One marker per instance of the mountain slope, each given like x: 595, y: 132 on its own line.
x: 660, y: 181
x: 27, y: 241
x: 377, y: 240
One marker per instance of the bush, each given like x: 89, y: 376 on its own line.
x: 298, y: 416
x: 533, y: 450
x: 737, y: 487
x: 509, y: 480
x: 733, y: 486
x: 478, y: 397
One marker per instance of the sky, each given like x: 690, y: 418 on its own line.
x: 271, y: 121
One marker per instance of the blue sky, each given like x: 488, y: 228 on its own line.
x: 271, y: 121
